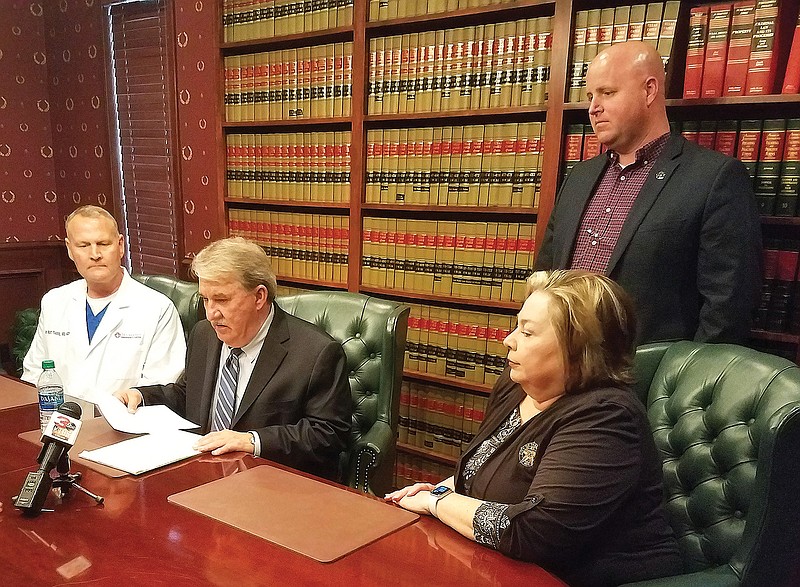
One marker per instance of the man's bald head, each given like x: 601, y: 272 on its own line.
x: 637, y: 57
x: 625, y: 87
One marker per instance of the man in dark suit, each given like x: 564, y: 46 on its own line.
x: 256, y: 378
x: 674, y: 224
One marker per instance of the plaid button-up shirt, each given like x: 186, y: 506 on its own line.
x: 609, y: 207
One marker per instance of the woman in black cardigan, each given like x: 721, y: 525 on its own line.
x: 563, y: 471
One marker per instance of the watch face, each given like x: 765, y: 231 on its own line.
x: 441, y: 490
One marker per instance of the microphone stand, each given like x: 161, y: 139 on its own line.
x: 66, y: 481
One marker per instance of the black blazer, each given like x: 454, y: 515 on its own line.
x: 298, y: 398
x: 690, y: 250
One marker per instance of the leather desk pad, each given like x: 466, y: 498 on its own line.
x: 307, y: 516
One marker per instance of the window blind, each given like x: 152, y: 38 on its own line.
x: 141, y: 87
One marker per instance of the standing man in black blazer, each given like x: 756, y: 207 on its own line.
x: 676, y: 225
x: 257, y: 379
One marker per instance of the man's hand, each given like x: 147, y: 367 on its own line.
x: 219, y: 443
x: 130, y: 397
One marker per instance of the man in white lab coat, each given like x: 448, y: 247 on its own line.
x: 106, y: 331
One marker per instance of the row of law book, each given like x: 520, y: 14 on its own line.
x: 580, y: 144
x: 770, y: 149
x: 779, y: 305
x: 599, y: 28
x: 496, y: 65
x: 247, y: 20
x: 733, y: 49
x: 461, y: 345
x: 475, y: 165
x: 291, y: 167
x: 300, y: 246
x: 411, y: 469
x: 437, y: 419
x: 290, y: 84
x: 390, y: 9
x: 473, y: 260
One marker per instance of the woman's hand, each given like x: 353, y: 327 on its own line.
x: 414, y: 498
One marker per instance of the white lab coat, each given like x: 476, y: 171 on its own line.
x: 139, y: 341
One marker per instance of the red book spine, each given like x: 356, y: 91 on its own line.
x: 761, y: 68
x: 591, y: 145
x: 791, y: 82
x: 696, y: 52
x: 741, y: 37
x: 719, y: 23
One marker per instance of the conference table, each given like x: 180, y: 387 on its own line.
x: 137, y: 537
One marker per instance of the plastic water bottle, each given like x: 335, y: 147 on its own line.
x: 51, y: 392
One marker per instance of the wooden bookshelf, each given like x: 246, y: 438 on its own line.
x: 556, y: 113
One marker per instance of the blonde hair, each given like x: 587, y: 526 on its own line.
x: 239, y: 258
x: 595, y: 324
x: 90, y: 211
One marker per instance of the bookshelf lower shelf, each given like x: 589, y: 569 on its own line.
x: 446, y: 381
x: 427, y: 454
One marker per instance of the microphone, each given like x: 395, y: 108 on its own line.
x: 59, y: 436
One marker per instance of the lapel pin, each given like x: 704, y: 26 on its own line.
x: 661, y: 175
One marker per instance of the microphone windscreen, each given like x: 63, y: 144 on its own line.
x: 70, y: 409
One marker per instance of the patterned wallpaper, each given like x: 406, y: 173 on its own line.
x: 197, y: 64
x: 29, y: 207
x: 54, y: 145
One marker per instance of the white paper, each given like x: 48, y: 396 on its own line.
x: 145, y: 453
x: 147, y: 419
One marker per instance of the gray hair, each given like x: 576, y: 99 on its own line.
x: 236, y: 258
x: 90, y: 211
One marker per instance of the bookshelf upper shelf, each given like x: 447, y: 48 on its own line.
x: 756, y: 101
x: 465, y: 16
x: 302, y: 39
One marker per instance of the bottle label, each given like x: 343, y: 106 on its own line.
x: 50, y: 398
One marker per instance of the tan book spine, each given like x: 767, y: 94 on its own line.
x: 622, y: 15
x: 492, y: 145
x: 427, y: 257
x: 605, y: 33
x: 505, y: 162
x: 544, y: 27
x: 524, y: 260
x: 652, y: 23
x: 594, y: 32
x: 529, y: 58
x: 372, y: 191
x: 637, y: 21
x: 391, y: 103
x: 444, y: 259
x: 666, y: 36
x: 519, y: 52
x: 445, y: 166
x: 579, y: 38
x: 471, y: 165
x: 328, y: 109
x: 449, y: 69
x: 486, y: 66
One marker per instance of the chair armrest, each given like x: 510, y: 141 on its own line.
x: 722, y: 576
x: 367, y: 454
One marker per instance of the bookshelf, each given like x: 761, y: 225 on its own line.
x: 402, y: 218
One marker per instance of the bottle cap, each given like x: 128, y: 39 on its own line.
x: 49, y: 364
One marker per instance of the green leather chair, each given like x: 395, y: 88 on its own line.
x: 373, y: 334
x: 183, y: 294
x: 726, y: 420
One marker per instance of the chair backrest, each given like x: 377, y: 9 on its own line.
x: 372, y: 332
x: 183, y: 294
x: 726, y: 420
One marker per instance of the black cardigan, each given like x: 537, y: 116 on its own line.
x: 586, y: 503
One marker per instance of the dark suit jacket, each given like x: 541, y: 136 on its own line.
x: 298, y: 398
x: 690, y: 250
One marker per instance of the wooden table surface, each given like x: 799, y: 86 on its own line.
x: 138, y: 538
